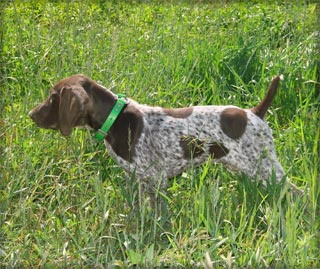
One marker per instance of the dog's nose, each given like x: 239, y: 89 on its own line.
x: 31, y: 114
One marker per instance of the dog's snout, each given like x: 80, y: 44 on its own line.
x: 32, y: 114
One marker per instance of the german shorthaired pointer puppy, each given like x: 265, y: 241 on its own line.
x: 155, y: 143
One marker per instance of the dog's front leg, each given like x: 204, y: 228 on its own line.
x: 156, y: 190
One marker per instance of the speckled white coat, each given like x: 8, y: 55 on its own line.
x: 159, y: 155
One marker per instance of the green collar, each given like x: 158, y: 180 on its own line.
x: 116, y: 110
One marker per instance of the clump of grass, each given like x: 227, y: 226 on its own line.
x: 64, y: 202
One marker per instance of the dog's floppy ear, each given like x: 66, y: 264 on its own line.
x: 71, y: 108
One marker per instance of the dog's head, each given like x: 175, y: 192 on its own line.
x: 67, y: 106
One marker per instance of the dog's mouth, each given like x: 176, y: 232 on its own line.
x: 42, y: 123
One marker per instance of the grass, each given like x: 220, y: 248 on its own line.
x: 63, y: 201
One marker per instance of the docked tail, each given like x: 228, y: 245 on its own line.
x: 261, y: 109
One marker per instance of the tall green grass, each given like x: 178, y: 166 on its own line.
x: 64, y: 202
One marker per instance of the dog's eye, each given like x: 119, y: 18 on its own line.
x: 53, y: 98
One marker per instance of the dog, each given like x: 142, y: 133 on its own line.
x: 155, y: 143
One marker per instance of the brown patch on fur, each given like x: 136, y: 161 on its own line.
x: 124, y: 134
x: 192, y: 147
x: 233, y: 122
x: 181, y: 113
x: 218, y: 150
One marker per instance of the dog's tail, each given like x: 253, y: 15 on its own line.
x: 261, y: 109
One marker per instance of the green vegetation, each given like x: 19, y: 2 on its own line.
x: 62, y: 201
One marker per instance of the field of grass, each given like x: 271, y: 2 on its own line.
x: 62, y: 200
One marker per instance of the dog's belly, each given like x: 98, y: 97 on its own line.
x: 157, y: 160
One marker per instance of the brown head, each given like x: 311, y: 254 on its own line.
x: 70, y: 104
x: 79, y: 101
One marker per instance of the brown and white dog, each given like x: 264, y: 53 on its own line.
x: 158, y: 143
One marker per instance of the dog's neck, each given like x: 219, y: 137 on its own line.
x: 102, y: 102
x: 125, y: 131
